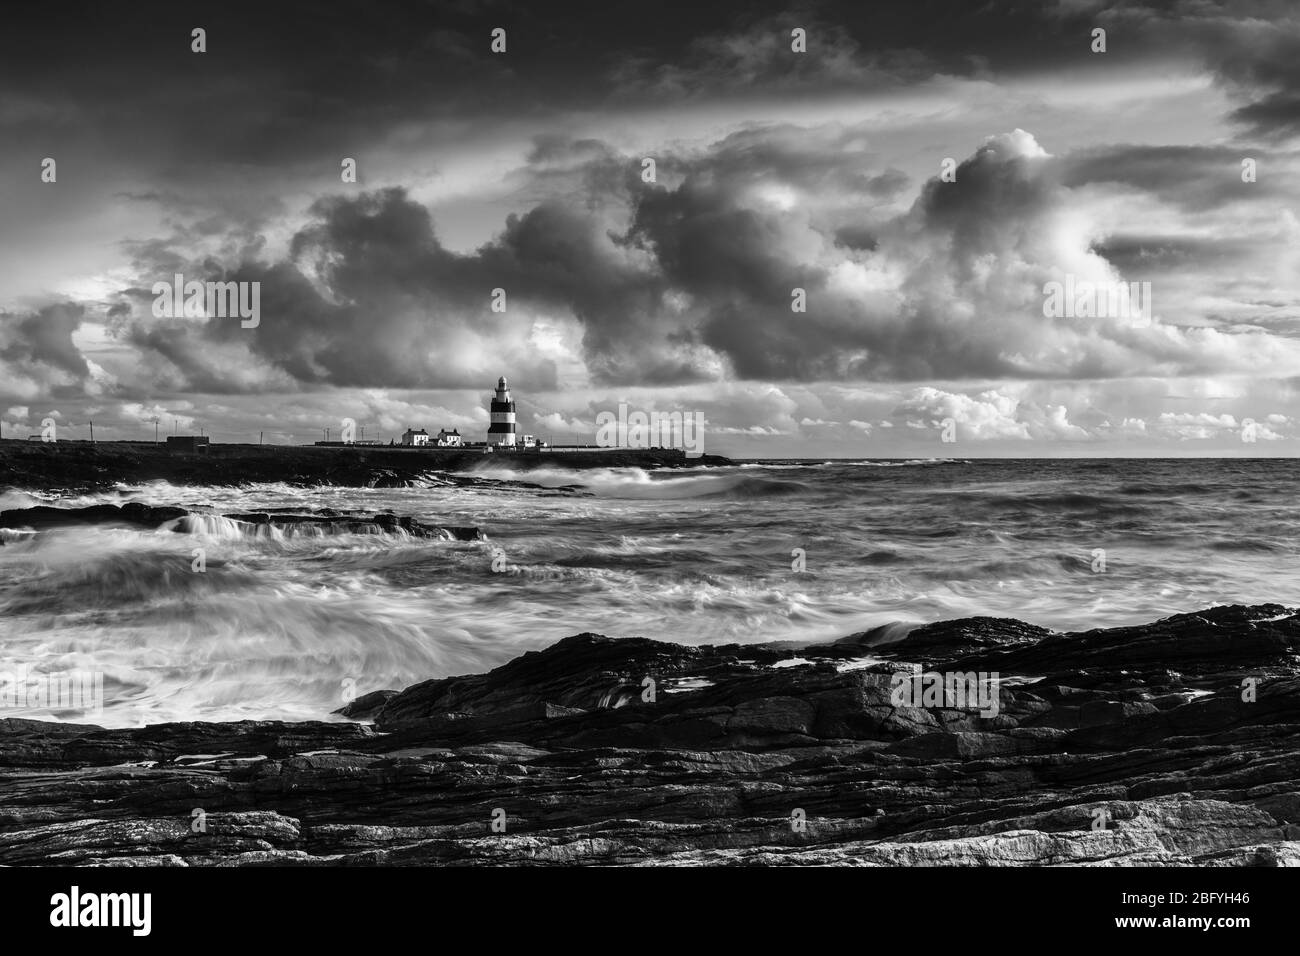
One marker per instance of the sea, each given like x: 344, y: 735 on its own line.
x: 275, y: 624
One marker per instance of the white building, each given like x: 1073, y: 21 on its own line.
x: 415, y: 438
x: 449, y: 439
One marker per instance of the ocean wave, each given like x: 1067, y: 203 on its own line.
x: 757, y: 488
x: 908, y: 463
x: 84, y: 574
x: 638, y: 484
x: 279, y: 524
x: 822, y: 463
x: 1095, y: 505
x: 13, y: 499
x: 771, y: 466
x: 882, y: 557
x: 1248, y: 545
x: 284, y: 612
x: 224, y: 528
x: 1170, y: 490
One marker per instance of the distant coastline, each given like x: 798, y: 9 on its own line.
x: 78, y: 464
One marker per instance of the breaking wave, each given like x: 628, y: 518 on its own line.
x: 637, y: 484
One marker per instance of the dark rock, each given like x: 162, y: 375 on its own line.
x: 1182, y: 737
x: 1215, y: 642
x: 949, y: 639
x: 367, y: 705
x: 44, y: 517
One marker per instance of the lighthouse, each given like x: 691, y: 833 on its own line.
x: 502, y: 429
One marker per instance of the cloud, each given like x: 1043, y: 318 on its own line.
x: 692, y: 279
x: 993, y: 415
x: 985, y: 416
x: 38, y: 355
x: 758, y: 58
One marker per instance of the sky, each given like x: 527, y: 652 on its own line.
x: 916, y: 177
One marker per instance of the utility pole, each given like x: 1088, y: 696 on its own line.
x: 260, y: 436
x: 155, y: 431
x: 92, y: 431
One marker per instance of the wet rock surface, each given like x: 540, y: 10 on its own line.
x: 1176, y: 742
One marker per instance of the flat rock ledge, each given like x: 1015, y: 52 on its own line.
x: 1173, y: 743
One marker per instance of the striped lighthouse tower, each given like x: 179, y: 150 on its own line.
x: 502, y: 429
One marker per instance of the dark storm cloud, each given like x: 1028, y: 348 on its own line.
x: 1138, y: 254
x: 691, y: 279
x: 396, y: 303
x: 1251, y: 46
x: 38, y: 357
x: 838, y: 162
x: 286, y: 89
x: 570, y: 261
x: 189, y: 361
x: 44, y: 338
x: 703, y: 270
x: 855, y: 46
x: 1195, y: 178
x: 1276, y: 115
x: 1255, y: 48
x: 295, y: 81
x: 685, y: 280
x: 857, y: 237
x: 1000, y: 184
x: 371, y: 298
x: 757, y: 58
x: 731, y: 261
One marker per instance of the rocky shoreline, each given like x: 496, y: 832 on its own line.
x: 34, y: 465
x: 1173, y: 743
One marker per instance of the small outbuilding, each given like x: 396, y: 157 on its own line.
x: 187, y: 443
